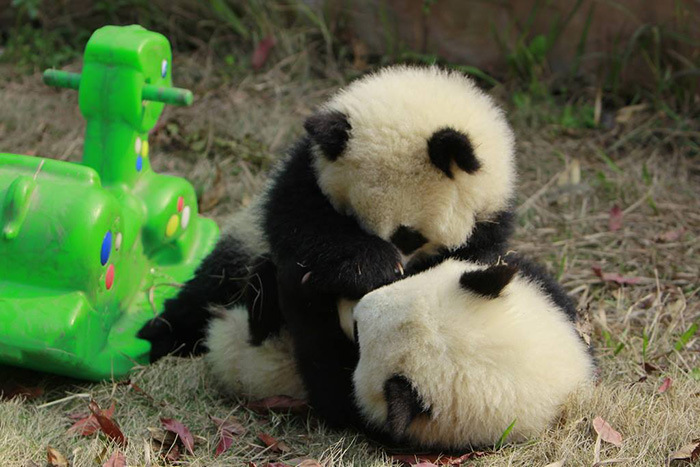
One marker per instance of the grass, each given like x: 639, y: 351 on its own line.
x: 645, y: 160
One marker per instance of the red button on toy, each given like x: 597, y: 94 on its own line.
x: 109, y: 277
x: 180, y: 203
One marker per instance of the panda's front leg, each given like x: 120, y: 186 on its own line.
x: 325, y: 357
x: 352, y: 267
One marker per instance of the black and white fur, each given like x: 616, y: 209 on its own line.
x: 400, y: 169
x: 451, y: 357
x: 448, y: 358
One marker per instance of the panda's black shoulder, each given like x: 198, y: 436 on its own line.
x: 538, y: 274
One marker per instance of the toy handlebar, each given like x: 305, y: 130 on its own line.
x: 174, y: 96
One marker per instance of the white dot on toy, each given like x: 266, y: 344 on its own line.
x: 185, y: 217
x: 118, y: 241
x: 164, y: 68
x: 137, y: 146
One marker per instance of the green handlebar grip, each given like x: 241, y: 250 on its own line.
x: 62, y: 79
x: 173, y: 96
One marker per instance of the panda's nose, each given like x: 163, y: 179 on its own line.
x: 407, y: 240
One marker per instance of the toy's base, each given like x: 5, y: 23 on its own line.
x: 82, y: 345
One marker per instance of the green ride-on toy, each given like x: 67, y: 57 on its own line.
x: 90, y: 251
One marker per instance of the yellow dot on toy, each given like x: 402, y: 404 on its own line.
x: 144, y: 148
x: 172, y: 226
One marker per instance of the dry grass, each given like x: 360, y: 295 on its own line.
x: 238, y: 126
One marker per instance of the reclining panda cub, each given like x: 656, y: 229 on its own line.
x: 448, y: 358
x: 407, y: 171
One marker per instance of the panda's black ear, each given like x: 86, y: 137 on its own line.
x: 330, y: 130
x: 403, y: 405
x: 488, y: 282
x: 447, y: 145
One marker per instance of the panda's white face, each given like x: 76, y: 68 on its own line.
x: 426, y: 151
x: 453, y: 355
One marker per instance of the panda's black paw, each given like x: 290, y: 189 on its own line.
x: 356, y: 271
x: 177, y: 331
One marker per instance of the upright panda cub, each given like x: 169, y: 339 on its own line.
x: 448, y: 358
x: 402, y: 165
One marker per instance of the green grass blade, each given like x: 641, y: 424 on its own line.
x: 686, y: 336
x: 505, y: 434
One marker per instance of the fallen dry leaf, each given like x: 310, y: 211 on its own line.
x: 309, y: 463
x: 181, y: 431
x: 614, y: 277
x: 87, y: 423
x: 560, y: 463
x: 273, y: 443
x: 261, y: 52
x: 55, y: 458
x: 606, y: 432
x: 227, y: 429
x: 436, y: 459
x: 116, y: 460
x: 689, y: 452
x: 278, y: 404
x: 275, y: 464
x: 11, y: 390
x: 108, y: 426
x: 615, y: 220
x: 665, y: 386
x: 670, y: 236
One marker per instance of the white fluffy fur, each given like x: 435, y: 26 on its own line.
x: 246, y: 370
x: 385, y: 177
x: 478, y: 363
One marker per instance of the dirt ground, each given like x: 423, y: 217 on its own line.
x: 633, y: 272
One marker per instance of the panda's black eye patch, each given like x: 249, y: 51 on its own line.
x: 404, y: 404
x: 447, y: 145
x: 407, y: 240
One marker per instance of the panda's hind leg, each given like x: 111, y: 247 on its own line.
x: 220, y: 279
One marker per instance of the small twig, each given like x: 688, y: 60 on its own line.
x: 82, y: 395
x: 38, y: 169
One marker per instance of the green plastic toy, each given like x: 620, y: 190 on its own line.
x: 90, y: 251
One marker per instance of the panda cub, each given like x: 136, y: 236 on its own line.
x: 448, y: 358
x: 402, y: 167
x: 451, y: 357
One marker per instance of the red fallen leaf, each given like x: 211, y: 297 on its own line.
x: 227, y: 429
x: 278, y: 404
x: 615, y: 220
x: 261, y: 52
x: 606, y: 432
x: 614, y: 277
x: 273, y: 443
x: 425, y: 464
x: 116, y: 460
x: 181, y: 430
x: 11, y: 390
x: 436, y: 459
x: 88, y: 424
x: 671, y: 235
x: 108, y: 426
x: 55, y: 459
x: 665, y: 386
x: 173, y: 453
